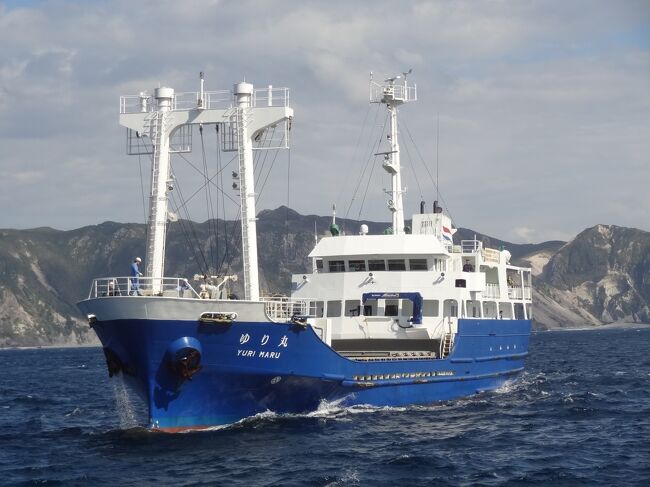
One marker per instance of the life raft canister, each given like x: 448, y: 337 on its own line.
x: 184, y: 357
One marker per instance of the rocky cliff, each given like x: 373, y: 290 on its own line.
x: 602, y: 275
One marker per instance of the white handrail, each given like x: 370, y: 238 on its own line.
x: 283, y: 308
x: 141, y: 286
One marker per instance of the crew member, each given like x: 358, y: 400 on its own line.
x: 135, y: 277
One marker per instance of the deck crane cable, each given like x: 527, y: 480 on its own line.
x: 355, y: 152
x: 232, y: 238
x: 228, y: 233
x: 372, y: 148
x: 210, y: 180
x: 369, y: 148
x: 188, y: 226
x: 371, y: 158
x: 235, y: 237
x: 428, y: 172
x: 208, y: 203
x: 261, y: 169
x: 410, y: 165
x: 286, y: 214
x: 183, y: 225
x: 223, y: 198
x: 144, y: 207
x: 269, y: 171
x: 363, y: 200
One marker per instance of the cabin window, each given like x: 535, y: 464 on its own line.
x: 418, y: 264
x: 336, y: 266
x: 407, y: 308
x: 357, y: 265
x: 505, y: 311
x: 490, y: 309
x: 352, y: 307
x: 391, y: 308
x: 450, y: 308
x: 396, y: 265
x: 333, y: 309
x: 376, y: 265
x: 439, y: 265
x: 319, y: 265
x: 370, y: 308
x: 519, y: 311
x: 461, y: 283
x: 430, y: 307
x: 473, y: 308
x: 529, y: 311
x: 319, y: 308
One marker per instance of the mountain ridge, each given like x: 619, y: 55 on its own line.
x: 600, y: 276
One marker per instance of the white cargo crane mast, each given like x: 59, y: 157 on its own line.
x: 243, y: 114
x: 393, y: 94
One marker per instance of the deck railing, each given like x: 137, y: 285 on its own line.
x: 222, y: 99
x: 491, y: 291
x: 141, y: 286
x: 284, y: 308
x: 491, y: 255
x: 471, y: 246
x: 518, y: 292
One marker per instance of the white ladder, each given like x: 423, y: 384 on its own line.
x: 155, y: 125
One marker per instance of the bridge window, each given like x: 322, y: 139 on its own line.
x: 450, y: 308
x: 336, y: 265
x: 430, y: 307
x: 418, y: 264
x: 357, y: 265
x: 473, y: 308
x: 490, y: 309
x: 439, y: 265
x: 391, y: 308
x: 370, y: 308
x: 396, y: 265
x: 505, y: 311
x: 519, y: 311
x: 319, y: 308
x: 376, y: 265
x: 529, y: 311
x: 319, y: 265
x: 333, y: 309
x: 352, y: 307
x: 407, y: 308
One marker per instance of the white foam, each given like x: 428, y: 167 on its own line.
x: 123, y: 404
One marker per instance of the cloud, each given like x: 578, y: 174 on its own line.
x: 543, y: 109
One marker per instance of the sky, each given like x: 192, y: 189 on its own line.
x: 542, y: 107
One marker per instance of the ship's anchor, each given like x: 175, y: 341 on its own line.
x: 184, y: 357
x: 188, y: 363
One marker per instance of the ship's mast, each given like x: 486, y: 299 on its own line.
x: 393, y: 93
x: 243, y: 97
x: 243, y: 115
x: 160, y: 172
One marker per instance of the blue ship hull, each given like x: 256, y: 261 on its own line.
x: 248, y: 368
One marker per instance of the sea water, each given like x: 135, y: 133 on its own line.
x: 578, y: 415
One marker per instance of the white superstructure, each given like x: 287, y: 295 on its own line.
x: 407, y: 284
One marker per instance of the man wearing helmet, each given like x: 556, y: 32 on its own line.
x: 135, y: 277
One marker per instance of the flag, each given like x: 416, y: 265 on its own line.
x: 447, y: 233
